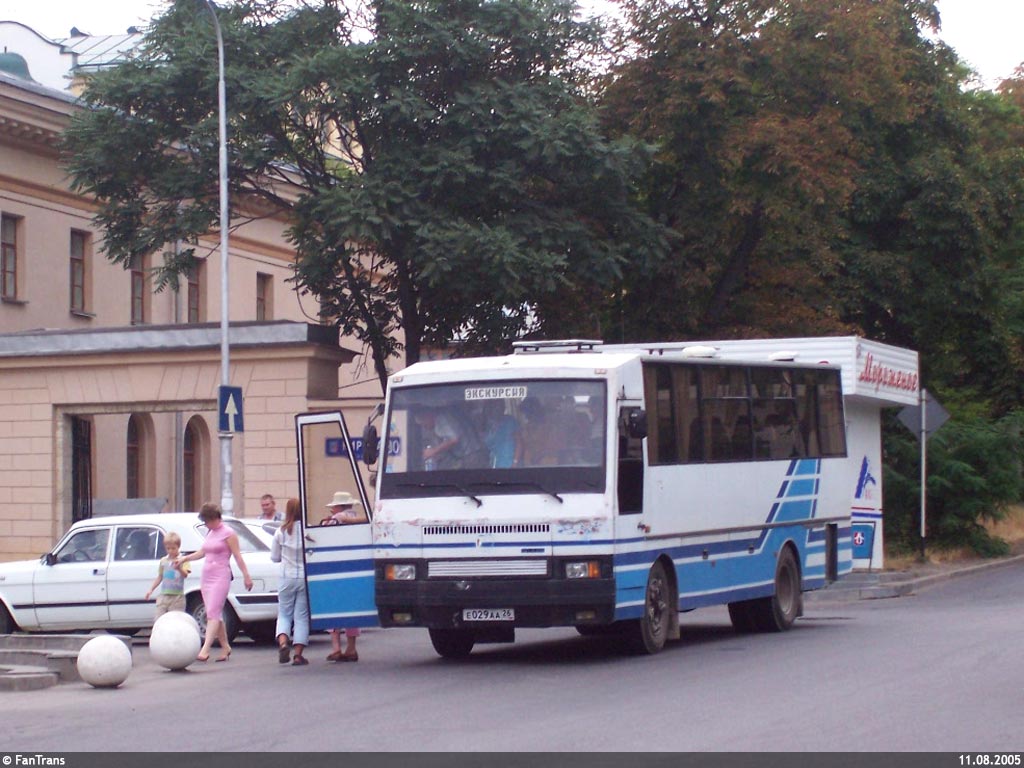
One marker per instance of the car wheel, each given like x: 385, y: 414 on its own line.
x: 197, y: 609
x: 7, y: 625
x: 130, y: 631
x: 262, y: 632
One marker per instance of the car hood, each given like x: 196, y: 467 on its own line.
x: 18, y: 572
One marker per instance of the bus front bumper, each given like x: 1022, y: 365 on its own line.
x: 476, y: 603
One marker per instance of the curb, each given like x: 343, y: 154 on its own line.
x: 900, y: 585
x: 29, y: 662
x: 25, y: 677
x: 908, y: 586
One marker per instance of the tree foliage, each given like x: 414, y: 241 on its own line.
x: 974, y: 474
x: 443, y: 173
x: 827, y: 168
x: 809, y: 166
x: 824, y: 171
x: 761, y: 112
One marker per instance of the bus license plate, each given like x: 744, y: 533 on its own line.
x: 488, y: 614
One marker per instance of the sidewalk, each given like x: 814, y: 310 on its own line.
x: 874, y: 585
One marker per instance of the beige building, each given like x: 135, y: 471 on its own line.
x: 108, y: 389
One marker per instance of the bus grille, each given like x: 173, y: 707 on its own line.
x: 460, y: 568
x: 475, y: 530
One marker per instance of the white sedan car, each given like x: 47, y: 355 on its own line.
x: 264, y: 529
x: 97, y: 575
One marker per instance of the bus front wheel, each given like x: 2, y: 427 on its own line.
x: 452, y: 643
x: 649, y: 633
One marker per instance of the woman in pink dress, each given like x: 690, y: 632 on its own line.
x: 219, y: 546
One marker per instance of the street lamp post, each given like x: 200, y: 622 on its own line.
x: 226, y: 494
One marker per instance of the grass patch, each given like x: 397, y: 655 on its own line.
x: 1010, y: 529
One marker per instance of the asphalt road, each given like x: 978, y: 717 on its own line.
x: 942, y: 670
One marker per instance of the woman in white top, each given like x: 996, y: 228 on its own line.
x: 292, y: 601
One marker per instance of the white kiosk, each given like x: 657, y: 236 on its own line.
x: 875, y: 376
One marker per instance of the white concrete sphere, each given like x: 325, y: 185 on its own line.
x: 104, y: 662
x: 174, y: 641
x: 182, y: 616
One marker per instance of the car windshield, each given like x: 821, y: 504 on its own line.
x: 247, y: 540
x: 504, y: 437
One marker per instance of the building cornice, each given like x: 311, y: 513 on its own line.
x: 34, y: 114
x: 171, y: 338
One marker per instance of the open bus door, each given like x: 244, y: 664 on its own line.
x: 339, y: 558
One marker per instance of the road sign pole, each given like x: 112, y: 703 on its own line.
x: 924, y: 467
x: 227, y: 499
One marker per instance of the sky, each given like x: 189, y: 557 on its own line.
x: 988, y: 34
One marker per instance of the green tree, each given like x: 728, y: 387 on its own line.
x: 974, y: 473
x: 932, y: 256
x: 443, y: 172
x: 758, y: 111
x: 827, y: 169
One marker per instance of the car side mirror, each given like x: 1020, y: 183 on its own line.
x: 636, y: 423
x: 50, y: 559
x: 370, y: 445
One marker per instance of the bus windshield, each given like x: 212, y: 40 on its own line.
x: 496, y: 437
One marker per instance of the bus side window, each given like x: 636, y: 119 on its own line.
x: 631, y: 470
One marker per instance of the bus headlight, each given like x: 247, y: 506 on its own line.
x: 586, y: 569
x: 400, y: 572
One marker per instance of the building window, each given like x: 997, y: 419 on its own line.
x: 133, y: 457
x: 138, y: 271
x: 79, y: 258
x: 193, y: 277
x: 195, y: 458
x: 8, y: 257
x: 189, y: 467
x: 264, y: 296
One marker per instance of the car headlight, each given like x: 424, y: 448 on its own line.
x: 586, y: 569
x: 400, y: 572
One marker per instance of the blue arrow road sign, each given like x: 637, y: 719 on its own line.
x: 229, y: 409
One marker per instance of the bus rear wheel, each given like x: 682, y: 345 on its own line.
x: 778, y: 612
x: 452, y: 643
x: 648, y: 634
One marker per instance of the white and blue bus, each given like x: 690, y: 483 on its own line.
x: 575, y: 484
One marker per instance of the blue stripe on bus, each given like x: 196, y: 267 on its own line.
x: 807, y: 487
x: 346, y: 548
x: 806, y: 468
x: 339, y: 566
x: 704, y: 584
x: 352, y: 597
x: 719, y: 579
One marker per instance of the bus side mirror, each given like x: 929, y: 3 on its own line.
x: 371, y: 443
x: 636, y: 423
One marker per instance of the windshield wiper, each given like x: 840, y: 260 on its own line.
x: 527, y: 483
x: 456, y: 486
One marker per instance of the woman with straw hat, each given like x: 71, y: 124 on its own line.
x: 343, y: 510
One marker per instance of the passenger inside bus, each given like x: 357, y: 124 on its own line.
x: 539, y: 444
x: 449, y: 440
x: 438, y: 436
x: 502, y: 436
